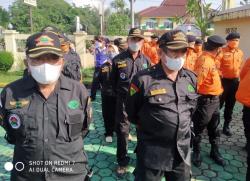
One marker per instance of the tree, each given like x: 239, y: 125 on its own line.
x: 4, y: 17
x: 202, y: 13
x: 118, y: 5
x: 52, y: 12
x: 117, y: 24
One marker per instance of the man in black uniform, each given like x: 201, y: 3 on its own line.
x: 46, y: 116
x: 161, y: 101
x: 107, y: 93
x: 72, y: 61
x: 121, y: 44
x: 124, y: 67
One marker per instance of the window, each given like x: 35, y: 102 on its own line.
x: 151, y: 24
x: 168, y: 24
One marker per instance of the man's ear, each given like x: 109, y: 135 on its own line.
x: 63, y: 62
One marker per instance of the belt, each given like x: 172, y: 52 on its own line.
x: 210, y: 96
x: 230, y: 79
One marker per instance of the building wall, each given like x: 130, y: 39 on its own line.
x: 241, y: 26
x: 159, y: 20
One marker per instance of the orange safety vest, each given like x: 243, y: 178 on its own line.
x: 208, y: 78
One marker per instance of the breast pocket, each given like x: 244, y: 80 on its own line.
x: 74, y: 124
x: 162, y: 101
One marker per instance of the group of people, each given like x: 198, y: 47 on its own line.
x: 153, y: 100
x: 171, y: 87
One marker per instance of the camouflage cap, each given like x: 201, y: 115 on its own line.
x: 135, y: 33
x: 173, y: 40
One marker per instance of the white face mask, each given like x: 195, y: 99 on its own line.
x: 174, y: 64
x: 134, y: 46
x: 45, y: 73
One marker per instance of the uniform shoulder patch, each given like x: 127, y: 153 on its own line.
x: 105, y: 69
x: 14, y: 121
x: 73, y: 104
x: 190, y: 88
x: 133, y: 89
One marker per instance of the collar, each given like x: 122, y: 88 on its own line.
x: 130, y: 54
x: 209, y: 54
x: 31, y: 83
x: 231, y: 49
x: 65, y: 83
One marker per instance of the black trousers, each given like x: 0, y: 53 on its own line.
x: 180, y: 172
x: 108, y: 113
x: 207, y: 116
x: 95, y: 83
x: 122, y: 132
x: 246, y: 123
x: 230, y: 87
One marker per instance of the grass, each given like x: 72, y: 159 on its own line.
x: 8, y: 77
x: 87, y: 75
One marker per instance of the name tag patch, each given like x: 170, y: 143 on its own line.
x: 158, y: 92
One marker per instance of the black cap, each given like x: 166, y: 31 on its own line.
x: 216, y: 41
x: 198, y: 42
x: 120, y: 43
x: 191, y: 38
x: 173, y: 40
x: 135, y: 33
x: 43, y: 43
x: 232, y: 36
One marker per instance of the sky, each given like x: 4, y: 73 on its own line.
x: 139, y: 4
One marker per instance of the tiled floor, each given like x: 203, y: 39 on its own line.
x: 105, y: 162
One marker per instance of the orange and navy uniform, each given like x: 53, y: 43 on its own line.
x: 150, y: 49
x: 208, y: 78
x: 198, y: 49
x: 191, y: 58
x: 243, y: 93
x: 230, y: 62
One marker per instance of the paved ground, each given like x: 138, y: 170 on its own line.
x: 105, y: 162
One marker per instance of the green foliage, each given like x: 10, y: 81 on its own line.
x: 118, y: 5
x: 4, y: 17
x: 6, y: 61
x: 202, y: 14
x: 117, y: 24
x: 57, y: 13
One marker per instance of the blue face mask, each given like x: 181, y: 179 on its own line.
x: 174, y: 64
x: 134, y: 46
x: 111, y: 55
